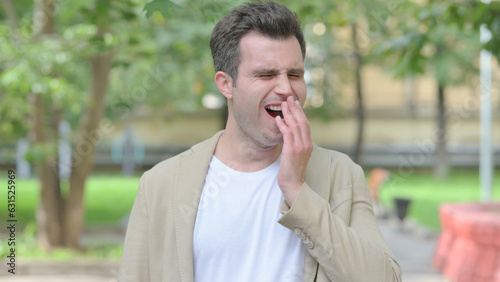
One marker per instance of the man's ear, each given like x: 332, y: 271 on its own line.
x: 225, y: 84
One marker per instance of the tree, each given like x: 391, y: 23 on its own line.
x: 60, y: 219
x: 42, y: 53
x: 467, y: 15
x: 425, y: 40
x: 365, y: 22
x: 52, y: 52
x: 372, y: 16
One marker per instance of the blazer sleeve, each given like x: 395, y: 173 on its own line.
x: 134, y: 265
x: 346, y: 251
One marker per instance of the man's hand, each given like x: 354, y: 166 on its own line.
x: 297, y: 149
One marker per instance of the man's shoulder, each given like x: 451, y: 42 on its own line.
x: 334, y: 156
x: 170, y: 165
x: 342, y: 169
x: 337, y: 163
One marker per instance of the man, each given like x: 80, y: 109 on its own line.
x: 258, y: 201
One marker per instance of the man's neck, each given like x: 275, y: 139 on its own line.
x: 242, y: 154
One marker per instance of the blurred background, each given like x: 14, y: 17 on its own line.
x: 95, y: 92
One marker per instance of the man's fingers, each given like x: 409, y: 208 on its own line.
x: 290, y: 119
x: 303, y: 122
x: 285, y: 131
x: 299, y: 121
x: 287, y: 114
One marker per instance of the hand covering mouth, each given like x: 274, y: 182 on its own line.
x: 274, y: 111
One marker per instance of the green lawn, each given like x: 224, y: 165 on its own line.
x: 108, y: 198
x: 428, y: 193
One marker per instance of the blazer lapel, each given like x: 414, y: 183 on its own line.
x: 318, y: 178
x: 190, y: 179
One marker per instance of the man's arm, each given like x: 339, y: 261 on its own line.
x: 347, y: 251
x: 135, y: 259
x: 353, y: 251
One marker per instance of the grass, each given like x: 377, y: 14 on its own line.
x: 427, y: 193
x: 28, y: 249
x: 108, y: 199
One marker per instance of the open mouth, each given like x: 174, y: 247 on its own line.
x: 274, y: 111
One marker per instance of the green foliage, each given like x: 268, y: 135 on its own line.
x: 212, y: 10
x: 159, y: 61
x: 40, y: 67
x: 53, y: 66
x: 165, y: 7
x: 426, y: 39
x: 170, y: 38
x: 472, y: 15
x: 441, y: 36
x: 215, y: 10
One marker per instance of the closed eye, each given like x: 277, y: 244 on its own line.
x: 266, y: 75
x: 296, y: 73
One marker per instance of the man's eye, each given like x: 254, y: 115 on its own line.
x: 294, y: 75
x: 266, y: 75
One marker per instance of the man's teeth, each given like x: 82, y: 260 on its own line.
x: 274, y: 108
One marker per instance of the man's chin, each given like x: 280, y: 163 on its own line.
x: 273, y: 140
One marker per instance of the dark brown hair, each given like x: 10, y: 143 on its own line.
x: 267, y: 18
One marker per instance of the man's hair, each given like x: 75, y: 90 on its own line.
x: 267, y: 18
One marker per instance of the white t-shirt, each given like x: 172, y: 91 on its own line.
x: 236, y: 236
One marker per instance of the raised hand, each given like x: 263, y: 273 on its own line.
x: 297, y: 149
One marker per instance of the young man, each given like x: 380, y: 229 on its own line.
x: 258, y: 201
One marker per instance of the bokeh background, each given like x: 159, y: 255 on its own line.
x: 95, y: 92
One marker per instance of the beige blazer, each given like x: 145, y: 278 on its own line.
x: 332, y: 215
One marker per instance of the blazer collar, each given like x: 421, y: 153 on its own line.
x: 189, y: 183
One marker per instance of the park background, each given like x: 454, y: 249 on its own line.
x: 95, y: 92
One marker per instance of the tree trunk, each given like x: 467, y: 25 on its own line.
x: 83, y: 156
x: 409, y: 84
x: 48, y: 213
x: 441, y: 165
x: 360, y: 112
x: 44, y: 134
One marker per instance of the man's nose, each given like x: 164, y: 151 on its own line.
x: 283, y: 86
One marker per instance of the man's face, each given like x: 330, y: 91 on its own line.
x: 270, y: 70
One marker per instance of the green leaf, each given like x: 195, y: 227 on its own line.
x: 165, y: 7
